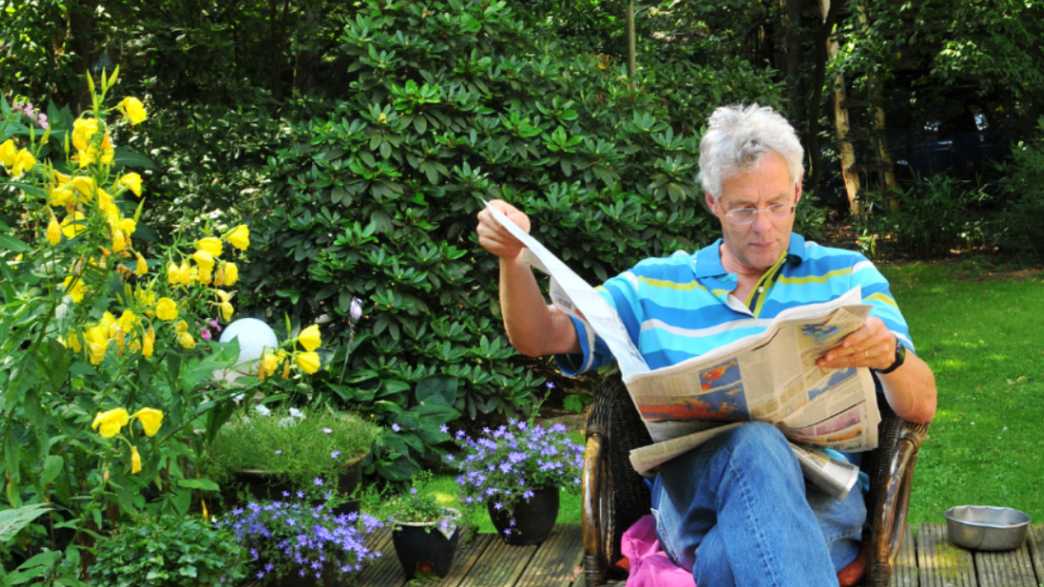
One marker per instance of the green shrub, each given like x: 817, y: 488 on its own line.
x: 450, y: 103
x: 1020, y: 229
x: 173, y: 550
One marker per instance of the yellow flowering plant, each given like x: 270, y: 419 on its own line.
x: 107, y: 355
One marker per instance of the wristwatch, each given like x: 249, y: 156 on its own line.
x: 900, y: 358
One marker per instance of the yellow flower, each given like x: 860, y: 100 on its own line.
x: 109, y: 423
x: 135, y: 461
x: 128, y: 320
x: 131, y: 181
x: 223, y: 295
x: 119, y: 241
x: 310, y: 338
x: 60, y: 196
x: 204, y: 274
x: 74, y: 224
x: 77, y: 289
x: 73, y: 341
x: 97, y: 340
x: 128, y: 226
x: 141, y: 266
x: 210, y: 244
x: 230, y: 273
x: 166, y: 309
x: 146, y: 297
x: 54, y: 231
x: 186, y: 341
x: 85, y: 187
x: 24, y: 162
x: 226, y: 311
x: 83, y: 130
x: 181, y: 326
x: 133, y: 109
x: 204, y: 260
x: 151, y: 419
x: 108, y: 152
x: 382, y: 118
x: 148, y: 343
x: 268, y: 364
x: 308, y: 362
x: 8, y: 153
x: 239, y: 237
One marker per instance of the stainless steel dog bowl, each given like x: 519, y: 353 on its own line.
x: 983, y: 527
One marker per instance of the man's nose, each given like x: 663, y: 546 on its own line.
x: 762, y: 220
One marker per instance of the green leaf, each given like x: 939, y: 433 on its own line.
x: 12, y: 521
x: 52, y: 467
x: 200, y: 484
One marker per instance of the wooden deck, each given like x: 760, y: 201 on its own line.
x: 926, y: 560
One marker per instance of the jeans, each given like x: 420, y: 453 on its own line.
x: 741, y: 498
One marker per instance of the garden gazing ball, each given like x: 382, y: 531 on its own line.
x: 254, y: 337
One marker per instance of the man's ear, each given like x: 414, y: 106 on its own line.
x: 709, y: 201
x: 797, y: 193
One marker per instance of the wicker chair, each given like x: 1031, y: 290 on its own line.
x: 614, y: 496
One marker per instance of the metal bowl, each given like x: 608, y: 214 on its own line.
x: 983, y: 527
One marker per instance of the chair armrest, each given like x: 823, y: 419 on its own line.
x: 890, y: 494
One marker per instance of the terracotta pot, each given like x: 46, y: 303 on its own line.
x: 533, y: 519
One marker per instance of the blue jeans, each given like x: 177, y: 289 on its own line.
x: 741, y: 498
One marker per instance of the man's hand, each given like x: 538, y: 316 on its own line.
x: 495, y: 238
x: 872, y: 346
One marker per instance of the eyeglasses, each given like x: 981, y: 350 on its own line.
x: 746, y: 215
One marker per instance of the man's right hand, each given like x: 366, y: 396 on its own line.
x: 495, y: 238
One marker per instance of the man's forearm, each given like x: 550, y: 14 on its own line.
x: 533, y: 327
x: 910, y: 390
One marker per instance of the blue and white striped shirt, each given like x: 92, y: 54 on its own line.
x: 679, y: 306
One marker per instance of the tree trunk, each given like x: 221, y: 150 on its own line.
x: 841, y: 124
x: 632, y: 48
x: 875, y: 91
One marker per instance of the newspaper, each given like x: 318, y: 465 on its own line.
x: 771, y: 376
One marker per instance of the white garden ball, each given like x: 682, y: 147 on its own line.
x: 254, y: 337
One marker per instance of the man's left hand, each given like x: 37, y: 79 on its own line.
x: 871, y: 346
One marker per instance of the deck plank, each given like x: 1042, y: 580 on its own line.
x: 905, y: 571
x: 1005, y: 569
x: 500, y: 565
x: 1035, y: 541
x: 941, y: 564
x: 556, y: 561
x: 385, y: 571
x: 467, y: 555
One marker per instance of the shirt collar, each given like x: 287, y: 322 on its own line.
x: 706, y: 262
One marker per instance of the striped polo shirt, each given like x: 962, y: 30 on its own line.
x: 680, y: 306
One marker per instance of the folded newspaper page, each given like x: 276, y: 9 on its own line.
x: 770, y: 377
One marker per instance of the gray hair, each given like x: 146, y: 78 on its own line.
x: 738, y: 136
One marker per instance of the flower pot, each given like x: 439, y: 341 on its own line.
x: 271, y: 485
x: 423, y: 546
x: 528, y: 522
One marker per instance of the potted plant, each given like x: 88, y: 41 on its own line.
x: 517, y: 470
x: 277, y: 452
x: 424, y: 532
x: 293, y: 542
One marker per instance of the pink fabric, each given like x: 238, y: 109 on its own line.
x: 649, y: 564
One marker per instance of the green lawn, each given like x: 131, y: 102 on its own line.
x: 981, y: 328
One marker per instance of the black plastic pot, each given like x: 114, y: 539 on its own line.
x: 423, y: 547
x: 534, y: 519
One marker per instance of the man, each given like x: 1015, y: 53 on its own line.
x: 741, y: 498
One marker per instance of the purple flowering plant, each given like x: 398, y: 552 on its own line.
x: 293, y: 537
x: 506, y: 465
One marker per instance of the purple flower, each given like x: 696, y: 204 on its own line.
x: 204, y: 333
x: 318, y: 481
x: 335, y: 454
x: 444, y: 429
x: 356, y: 309
x: 395, y: 427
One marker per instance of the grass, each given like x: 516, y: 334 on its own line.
x: 981, y: 329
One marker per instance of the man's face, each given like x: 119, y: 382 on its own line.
x: 757, y: 245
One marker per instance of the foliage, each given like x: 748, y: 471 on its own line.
x: 106, y: 357
x: 449, y: 103
x: 293, y: 538
x: 299, y: 445
x: 1020, y: 229
x: 933, y: 216
x: 506, y: 465
x: 416, y: 506
x: 171, y: 550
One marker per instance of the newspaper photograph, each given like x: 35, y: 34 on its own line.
x: 771, y: 377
